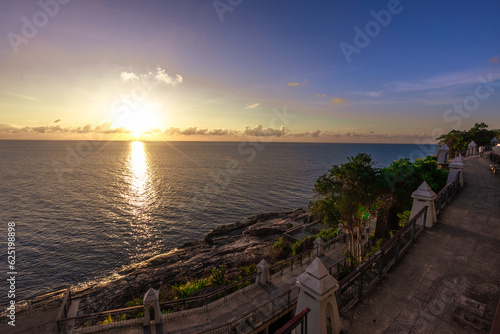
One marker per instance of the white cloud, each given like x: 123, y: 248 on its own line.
x: 253, y: 106
x: 259, y: 130
x: 127, y: 76
x: 338, y: 100
x: 21, y: 96
x: 159, y: 75
x: 444, y: 81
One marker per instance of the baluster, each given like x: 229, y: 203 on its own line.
x: 360, y: 286
x: 381, y: 265
x: 413, y: 230
x: 398, y: 244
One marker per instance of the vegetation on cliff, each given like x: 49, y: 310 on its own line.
x: 457, y: 140
x: 352, y: 194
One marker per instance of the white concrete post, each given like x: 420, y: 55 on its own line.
x: 472, y: 148
x: 455, y: 167
x: 443, y: 155
x: 319, y: 250
x: 263, y: 273
x: 494, y: 142
x: 152, y: 299
x: 317, y: 291
x: 421, y: 197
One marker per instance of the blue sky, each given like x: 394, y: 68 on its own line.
x: 173, y: 70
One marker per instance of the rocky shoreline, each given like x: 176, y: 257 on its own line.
x: 237, y: 244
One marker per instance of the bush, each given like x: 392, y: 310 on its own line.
x: 375, y: 248
x: 303, y: 245
x: 328, y: 234
x: 282, y: 248
x: 134, y: 302
x: 248, y: 270
x: 404, y: 218
x: 218, y: 276
x: 189, y: 288
x: 108, y: 320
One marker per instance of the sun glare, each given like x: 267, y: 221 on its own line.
x: 139, y: 122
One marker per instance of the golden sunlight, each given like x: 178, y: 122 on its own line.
x: 139, y: 121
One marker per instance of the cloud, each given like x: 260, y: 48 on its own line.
x: 128, y: 76
x: 57, y: 120
x: 338, y: 100
x: 493, y: 60
x: 259, y: 130
x: 194, y: 131
x: 159, y: 75
x: 86, y: 129
x: 443, y: 81
x: 321, y: 95
x: 48, y: 129
x: 295, y: 84
x: 107, y: 129
x: 21, y: 96
x: 253, y: 106
x: 375, y: 94
x: 162, y: 76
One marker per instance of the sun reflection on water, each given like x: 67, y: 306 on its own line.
x: 140, y: 199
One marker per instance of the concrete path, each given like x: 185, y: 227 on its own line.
x: 449, y: 281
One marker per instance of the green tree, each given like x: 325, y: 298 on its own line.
x: 399, y: 181
x: 458, y: 140
x: 347, y: 195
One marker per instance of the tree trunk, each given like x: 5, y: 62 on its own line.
x: 360, y: 246
x: 382, y: 227
x: 383, y: 214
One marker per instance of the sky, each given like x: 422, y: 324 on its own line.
x: 234, y: 70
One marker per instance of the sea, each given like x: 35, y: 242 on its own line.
x: 83, y: 210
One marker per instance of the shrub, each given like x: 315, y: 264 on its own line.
x: 282, y: 248
x: 404, y: 218
x: 108, y: 320
x: 134, y: 302
x: 189, y: 288
x: 302, y: 245
x: 218, y: 276
x: 248, y: 270
x: 373, y: 249
x: 328, y: 234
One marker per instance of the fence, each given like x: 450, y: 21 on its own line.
x: 34, y: 304
x: 350, y: 288
x: 299, y: 320
x: 447, y: 193
x: 495, y: 157
x: 259, y: 315
x: 367, y: 274
x: 128, y: 313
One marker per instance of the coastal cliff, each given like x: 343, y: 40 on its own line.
x: 241, y: 243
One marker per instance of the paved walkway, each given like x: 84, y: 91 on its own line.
x: 449, y: 281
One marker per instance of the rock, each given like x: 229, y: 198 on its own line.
x: 246, y: 241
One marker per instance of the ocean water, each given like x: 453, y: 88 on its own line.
x: 84, y: 210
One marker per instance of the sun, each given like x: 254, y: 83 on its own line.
x: 139, y: 121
